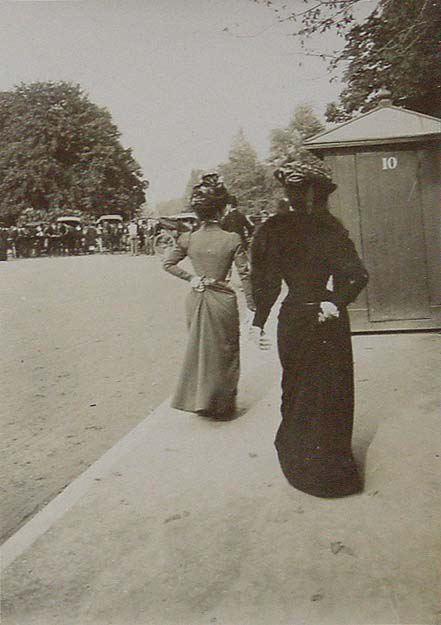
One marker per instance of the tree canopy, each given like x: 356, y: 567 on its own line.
x: 59, y: 152
x: 314, y: 16
x: 285, y: 141
x: 396, y: 48
x: 248, y: 178
x: 245, y: 176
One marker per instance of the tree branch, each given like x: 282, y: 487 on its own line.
x: 327, y: 4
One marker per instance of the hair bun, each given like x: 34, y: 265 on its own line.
x: 211, y: 191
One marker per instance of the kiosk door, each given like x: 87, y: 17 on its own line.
x: 393, y: 235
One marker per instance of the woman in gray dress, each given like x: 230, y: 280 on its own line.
x: 210, y: 372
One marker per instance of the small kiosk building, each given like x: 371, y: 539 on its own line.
x: 387, y: 166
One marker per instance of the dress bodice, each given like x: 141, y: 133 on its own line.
x: 212, y: 252
x: 305, y: 252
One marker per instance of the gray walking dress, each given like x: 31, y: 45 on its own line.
x: 210, y: 372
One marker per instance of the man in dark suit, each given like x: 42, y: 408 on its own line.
x: 235, y: 221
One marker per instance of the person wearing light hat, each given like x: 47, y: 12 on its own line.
x: 310, y: 250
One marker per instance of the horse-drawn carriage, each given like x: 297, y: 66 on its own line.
x: 168, y: 229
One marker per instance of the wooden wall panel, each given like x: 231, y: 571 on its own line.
x: 393, y: 236
x: 343, y: 203
x: 430, y: 185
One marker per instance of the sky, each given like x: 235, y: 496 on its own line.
x: 180, y: 77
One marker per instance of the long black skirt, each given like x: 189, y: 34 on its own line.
x: 314, y: 438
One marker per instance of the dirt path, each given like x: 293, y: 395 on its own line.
x: 90, y: 346
x: 194, y: 523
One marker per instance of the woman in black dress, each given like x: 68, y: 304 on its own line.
x: 310, y: 250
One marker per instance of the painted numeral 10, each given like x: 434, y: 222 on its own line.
x: 389, y: 162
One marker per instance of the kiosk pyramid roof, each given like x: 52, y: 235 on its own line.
x: 385, y: 124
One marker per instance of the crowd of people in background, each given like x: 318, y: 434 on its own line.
x: 58, y: 238
x: 63, y: 239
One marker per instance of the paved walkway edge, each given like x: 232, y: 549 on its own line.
x: 24, y: 538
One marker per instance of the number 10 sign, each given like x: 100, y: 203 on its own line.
x: 390, y: 162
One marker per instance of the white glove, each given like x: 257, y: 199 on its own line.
x: 328, y: 310
x: 264, y: 342
x: 259, y: 338
x: 197, y: 284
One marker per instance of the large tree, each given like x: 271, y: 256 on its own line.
x: 396, y: 48
x: 60, y: 152
x: 245, y: 176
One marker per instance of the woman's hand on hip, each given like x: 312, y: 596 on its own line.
x: 197, y: 284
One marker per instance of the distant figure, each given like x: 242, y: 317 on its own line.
x: 70, y: 238
x: 235, y: 221
x: 3, y: 243
x: 40, y: 240
x: 133, y: 237
x: 106, y: 236
x: 306, y: 247
x: 115, y: 238
x: 150, y: 237
x: 90, y: 236
x: 23, y: 243
x: 49, y: 233
x: 100, y: 238
x: 141, y: 237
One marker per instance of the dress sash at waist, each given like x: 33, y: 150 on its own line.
x: 215, y: 285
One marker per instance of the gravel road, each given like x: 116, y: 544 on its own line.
x: 91, y: 345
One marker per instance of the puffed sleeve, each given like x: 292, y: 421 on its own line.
x: 242, y: 266
x: 266, y: 278
x: 350, y: 275
x: 174, y: 256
